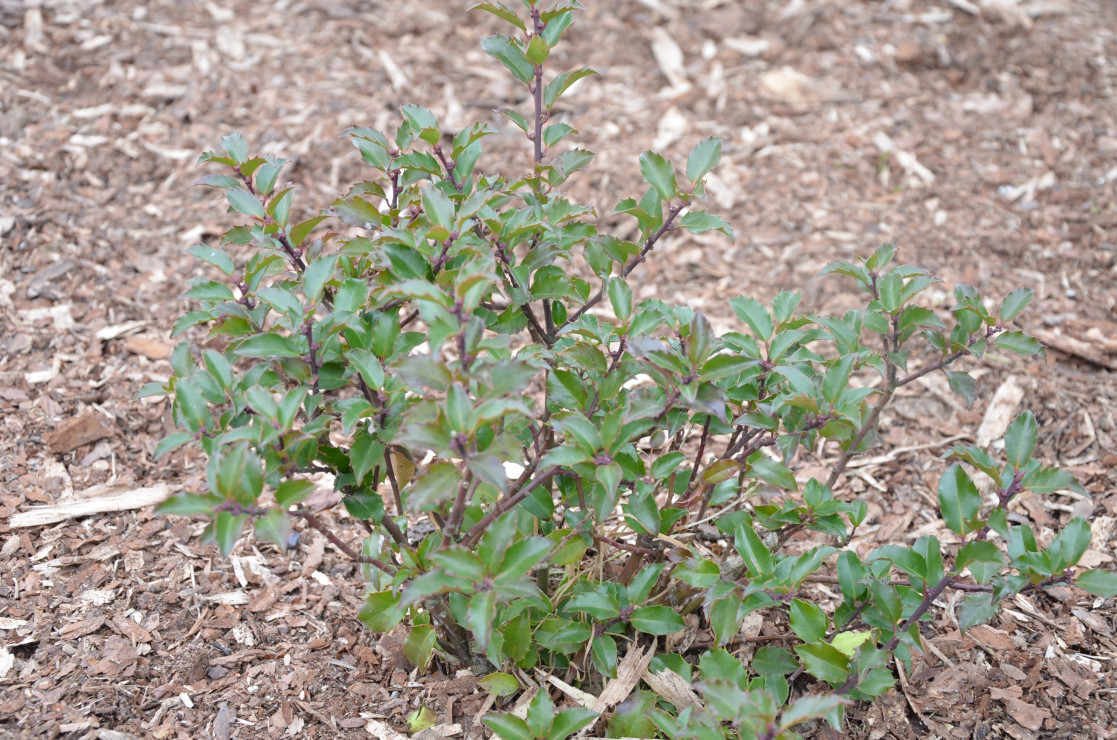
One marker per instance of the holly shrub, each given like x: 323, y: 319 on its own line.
x: 551, y: 474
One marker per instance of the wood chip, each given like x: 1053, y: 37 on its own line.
x: 669, y: 57
x: 632, y: 667
x: 1026, y: 714
x: 126, y: 500
x: 673, y: 688
x: 150, y: 347
x: 78, y: 431
x: 1090, y: 351
x: 1000, y: 412
x: 382, y: 731
x: 797, y: 90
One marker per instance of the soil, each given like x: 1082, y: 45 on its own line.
x: 980, y: 138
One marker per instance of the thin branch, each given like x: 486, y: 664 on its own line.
x: 312, y: 360
x: 348, y: 551
x: 449, y: 166
x: 668, y: 225
x: 391, y: 473
x: 506, y: 505
x: 466, y: 488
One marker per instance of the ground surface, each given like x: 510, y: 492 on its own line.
x: 1002, y: 130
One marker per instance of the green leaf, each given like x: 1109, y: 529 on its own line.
x: 959, y: 499
x: 520, y: 558
x: 502, y: 11
x: 963, y: 385
x: 1020, y: 439
x: 508, y: 726
x: 301, y: 231
x: 982, y: 557
x: 191, y: 404
x: 808, y: 621
x: 365, y: 504
x: 382, y: 611
x: 186, y: 504
x: 537, y: 50
x: 824, y: 662
x: 703, y: 158
x: 620, y: 295
x: 659, y: 173
x: 1015, y: 302
x: 725, y: 366
x: 433, y: 487
x: 772, y: 471
x: 757, y: 557
x: 564, y: 456
x: 555, y: 133
x: 422, y: 122
x: 598, y: 604
x: 368, y: 365
x: 438, y: 207
x: 500, y: 684
x: 479, y: 616
x: 245, y: 202
x: 755, y: 315
x: 236, y: 146
x: 235, y: 473
x: 316, y: 275
x: 699, y: 222
x: 511, y: 56
x: 814, y: 706
x: 365, y: 454
x: 275, y: 526
x: 1018, y: 343
x: 225, y: 530
x: 280, y: 207
x: 215, y: 257
x: 667, y: 464
x: 461, y: 563
x: 563, y: 635
x: 850, y: 574
x: 1100, y: 582
x: 604, y: 652
x: 773, y: 661
x: 209, y: 290
x: 570, y: 721
x: 562, y: 82
x: 848, y: 642
x: 1070, y: 544
x: 421, y: 719
x: 656, y: 620
x: 170, y: 442
x: 266, y: 346
x: 419, y: 645
x: 541, y: 713
x: 975, y: 609
x: 724, y: 618
x: 459, y: 409
x: 1048, y: 480
x: 292, y: 491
